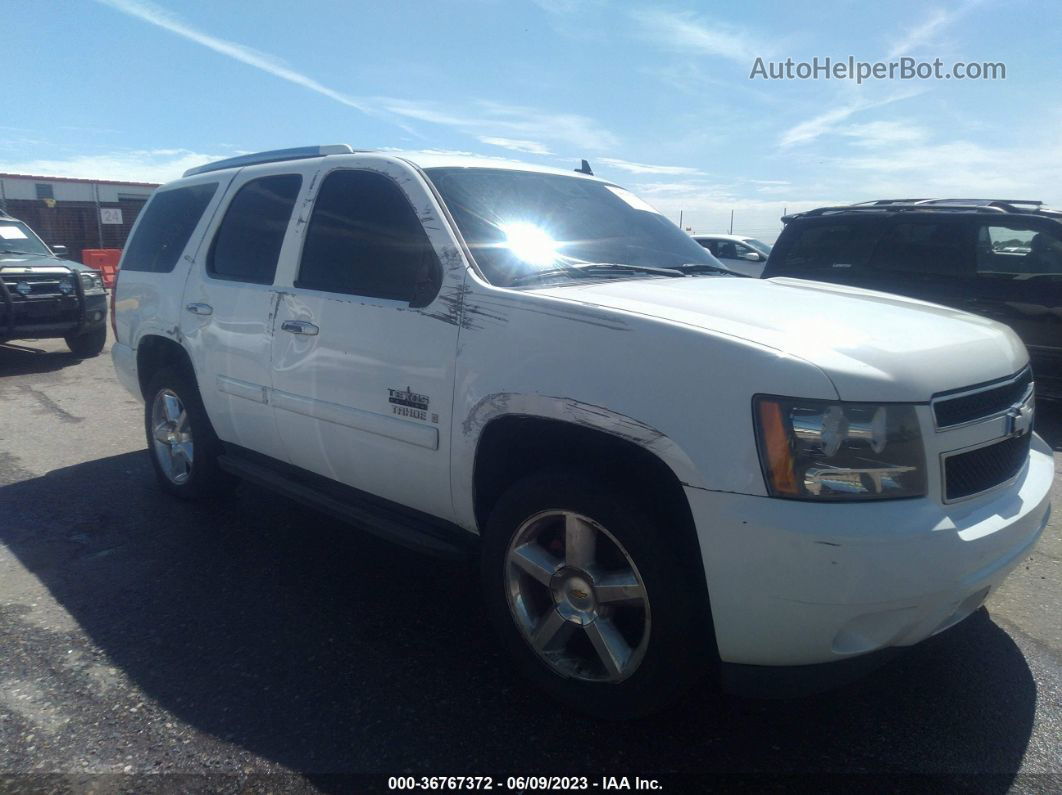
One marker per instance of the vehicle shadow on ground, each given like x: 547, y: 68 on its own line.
x: 24, y: 358
x: 282, y: 631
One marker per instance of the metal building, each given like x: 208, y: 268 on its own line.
x: 76, y: 213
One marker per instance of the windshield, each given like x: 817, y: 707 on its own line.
x: 518, y: 223
x: 759, y: 245
x: 17, y: 238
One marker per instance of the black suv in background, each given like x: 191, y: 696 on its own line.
x: 997, y: 258
x: 43, y: 296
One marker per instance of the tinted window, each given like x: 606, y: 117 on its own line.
x: 1016, y: 250
x: 836, y: 246
x: 728, y: 249
x: 164, y: 228
x: 365, y: 239
x: 931, y: 248
x: 247, y: 244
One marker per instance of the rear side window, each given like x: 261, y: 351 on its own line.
x: 164, y: 228
x: 1018, y: 251
x: 830, y: 247
x: 247, y: 245
x: 365, y: 239
x: 928, y: 248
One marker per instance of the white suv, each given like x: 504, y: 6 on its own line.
x: 665, y: 469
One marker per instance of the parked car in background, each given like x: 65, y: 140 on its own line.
x: 665, y: 470
x: 997, y: 258
x: 744, y: 255
x: 43, y: 296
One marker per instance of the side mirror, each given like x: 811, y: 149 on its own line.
x: 59, y: 251
x: 752, y: 256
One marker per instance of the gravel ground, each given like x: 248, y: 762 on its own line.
x: 255, y: 645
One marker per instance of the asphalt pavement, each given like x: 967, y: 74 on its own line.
x: 253, y: 640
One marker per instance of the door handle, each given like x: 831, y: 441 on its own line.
x: 200, y: 309
x: 300, y: 327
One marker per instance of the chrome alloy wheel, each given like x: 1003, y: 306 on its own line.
x: 577, y: 597
x: 172, y: 436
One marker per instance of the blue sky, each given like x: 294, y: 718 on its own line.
x: 656, y: 95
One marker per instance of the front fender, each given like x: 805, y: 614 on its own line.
x: 559, y: 408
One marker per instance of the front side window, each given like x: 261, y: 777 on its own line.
x: 247, y: 245
x: 1016, y: 249
x: 521, y: 223
x: 163, y: 229
x: 365, y: 239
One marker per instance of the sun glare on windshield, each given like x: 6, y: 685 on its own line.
x: 530, y: 243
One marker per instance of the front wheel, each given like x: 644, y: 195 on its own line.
x: 85, y: 346
x: 591, y: 597
x: 181, y: 441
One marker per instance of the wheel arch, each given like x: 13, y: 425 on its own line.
x: 514, y: 445
x: 153, y: 352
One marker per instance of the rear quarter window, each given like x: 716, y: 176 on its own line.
x: 163, y: 230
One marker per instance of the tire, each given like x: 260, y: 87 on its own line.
x: 579, y: 611
x: 85, y: 346
x: 182, y: 445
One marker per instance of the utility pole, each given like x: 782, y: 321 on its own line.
x: 731, y: 223
x: 680, y: 220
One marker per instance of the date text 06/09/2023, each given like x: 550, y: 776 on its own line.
x: 523, y: 783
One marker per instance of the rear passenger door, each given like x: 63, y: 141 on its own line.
x: 927, y: 258
x: 227, y: 311
x: 1019, y: 282
x: 366, y: 336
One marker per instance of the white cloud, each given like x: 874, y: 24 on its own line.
x: 809, y: 130
x: 139, y: 165
x: 160, y: 17
x: 530, y: 147
x: 876, y: 134
x: 684, y: 31
x: 926, y: 31
x: 645, y: 168
x: 483, y: 117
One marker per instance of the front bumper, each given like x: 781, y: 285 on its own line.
x: 796, y: 583
x: 52, y: 316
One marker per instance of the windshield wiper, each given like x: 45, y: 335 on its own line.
x: 13, y: 251
x: 590, y: 269
x: 703, y: 267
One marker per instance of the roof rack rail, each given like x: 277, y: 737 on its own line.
x: 273, y: 156
x: 982, y: 201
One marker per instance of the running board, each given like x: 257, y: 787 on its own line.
x: 412, y: 532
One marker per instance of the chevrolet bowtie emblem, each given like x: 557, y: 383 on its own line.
x: 1019, y: 419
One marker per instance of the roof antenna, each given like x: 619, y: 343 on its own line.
x: 584, y: 169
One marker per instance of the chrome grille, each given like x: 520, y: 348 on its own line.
x: 40, y: 284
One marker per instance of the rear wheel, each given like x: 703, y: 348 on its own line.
x: 183, y: 447
x: 589, y: 596
x: 85, y: 346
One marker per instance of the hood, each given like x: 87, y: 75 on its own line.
x: 38, y: 261
x: 873, y: 346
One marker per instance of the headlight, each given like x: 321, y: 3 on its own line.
x: 91, y: 283
x: 824, y: 450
